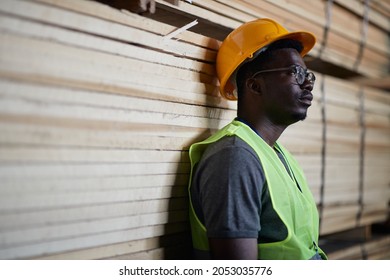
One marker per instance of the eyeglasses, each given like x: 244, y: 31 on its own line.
x: 298, y: 71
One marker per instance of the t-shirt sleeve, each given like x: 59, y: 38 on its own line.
x: 230, y: 187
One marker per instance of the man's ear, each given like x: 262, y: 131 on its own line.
x: 254, y: 85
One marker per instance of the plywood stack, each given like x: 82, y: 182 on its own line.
x: 344, y: 148
x: 305, y: 141
x: 351, y: 35
x: 99, y: 106
x: 356, y: 245
x: 342, y: 156
x: 354, y: 37
x: 97, y: 114
x: 376, y: 176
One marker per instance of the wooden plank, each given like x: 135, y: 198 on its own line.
x: 377, y: 138
x: 108, y: 250
x: 120, y: 249
x: 376, y: 101
x: 343, y: 22
x: 40, y: 73
x: 221, y: 9
x: 69, y: 99
x: 174, y: 252
x: 242, y: 7
x: 184, y: 7
x: 42, y: 201
x: 86, y: 170
x: 42, y: 55
x: 115, y: 31
x: 89, y: 241
x: 23, y: 220
x: 19, y: 185
x: 29, y: 28
x: 380, y: 83
x: 11, y: 238
x: 376, y: 122
x: 124, y: 17
x: 334, y: 53
x: 359, y: 8
x: 17, y: 154
x: 61, y: 110
x: 155, y: 254
x: 382, y: 7
x: 111, y: 138
x: 342, y: 93
x: 14, y: 122
x: 340, y: 249
x: 337, y: 224
x: 52, y: 63
x: 342, y: 116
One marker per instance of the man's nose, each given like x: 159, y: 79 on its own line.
x: 307, y: 85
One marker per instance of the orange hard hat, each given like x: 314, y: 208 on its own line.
x: 242, y: 44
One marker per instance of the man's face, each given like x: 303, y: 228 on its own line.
x: 284, y: 100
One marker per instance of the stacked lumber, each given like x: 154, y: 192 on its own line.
x: 305, y: 141
x: 361, y: 243
x: 97, y: 112
x: 352, y: 195
x: 376, y: 175
x: 98, y: 108
x: 342, y: 157
x: 350, y: 34
x: 344, y: 149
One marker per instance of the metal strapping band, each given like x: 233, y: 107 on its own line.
x: 363, y: 38
x: 361, y: 155
x: 363, y: 250
x: 328, y: 14
x: 323, y: 149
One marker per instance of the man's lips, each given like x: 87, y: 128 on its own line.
x: 306, y: 98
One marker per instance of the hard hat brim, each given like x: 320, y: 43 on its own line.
x: 307, y: 39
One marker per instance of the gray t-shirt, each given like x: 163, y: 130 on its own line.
x: 229, y: 184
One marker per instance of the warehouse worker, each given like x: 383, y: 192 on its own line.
x: 249, y: 198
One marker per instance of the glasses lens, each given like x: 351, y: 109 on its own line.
x: 311, y: 77
x: 300, y: 74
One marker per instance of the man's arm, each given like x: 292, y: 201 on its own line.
x: 226, y: 195
x: 233, y: 248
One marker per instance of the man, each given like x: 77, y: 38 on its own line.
x: 249, y: 198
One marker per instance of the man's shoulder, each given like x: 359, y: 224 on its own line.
x: 232, y: 144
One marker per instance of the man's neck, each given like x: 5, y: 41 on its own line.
x: 267, y: 130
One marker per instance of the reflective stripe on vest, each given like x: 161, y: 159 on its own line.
x: 296, y: 209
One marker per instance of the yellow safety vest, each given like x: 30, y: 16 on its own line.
x: 296, y: 209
